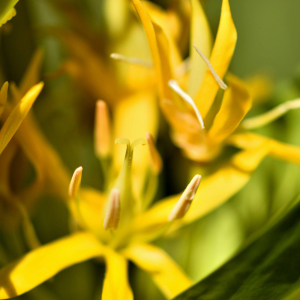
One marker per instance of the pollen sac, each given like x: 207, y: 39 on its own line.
x: 75, y: 182
x: 112, y: 215
x: 102, y: 131
x: 185, y: 201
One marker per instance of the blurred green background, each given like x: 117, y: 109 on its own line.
x: 268, y: 42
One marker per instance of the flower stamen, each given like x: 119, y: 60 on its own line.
x: 132, y: 60
x: 112, y: 215
x: 214, y: 73
x: 185, y: 201
x: 173, y: 84
x: 75, y: 182
x: 102, y: 132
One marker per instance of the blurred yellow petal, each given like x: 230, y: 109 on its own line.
x: 7, y: 10
x: 158, y: 43
x: 18, y: 114
x: 5, y: 160
x: 87, y: 67
x: 235, y: 104
x: 279, y: 150
x: 43, y: 263
x: 261, y: 87
x: 166, y: 274
x: 3, y: 97
x: 89, y: 211
x: 202, y: 38
x: 213, y: 191
x: 220, y: 59
x: 43, y: 156
x: 116, y: 285
x: 161, y: 18
x: 116, y: 16
x: 32, y: 74
x: 132, y: 77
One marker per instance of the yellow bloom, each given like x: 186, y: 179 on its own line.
x: 125, y: 211
x: 119, y: 208
x: 201, y: 127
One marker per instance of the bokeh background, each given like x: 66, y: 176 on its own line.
x: 268, y: 44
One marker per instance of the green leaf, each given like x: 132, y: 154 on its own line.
x: 268, y: 268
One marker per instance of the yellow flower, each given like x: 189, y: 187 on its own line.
x: 123, y: 208
x: 119, y: 208
x: 201, y: 126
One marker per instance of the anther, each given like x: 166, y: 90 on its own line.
x: 75, y: 182
x: 132, y: 60
x: 185, y: 201
x: 214, y: 73
x: 155, y: 157
x: 176, y: 88
x: 102, y: 132
x: 112, y: 215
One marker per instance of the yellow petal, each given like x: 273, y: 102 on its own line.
x: 116, y: 16
x: 261, y: 87
x: 213, y: 191
x: 235, y: 105
x: 89, y: 212
x: 158, y: 44
x: 220, y: 58
x: 17, y: 115
x: 162, y: 19
x: 133, y: 77
x: 7, y: 10
x: 43, y: 263
x: 43, y: 156
x: 116, y: 285
x: 32, y: 74
x: 279, y: 150
x: 202, y: 38
x: 166, y: 274
x: 3, y: 97
x: 5, y: 160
